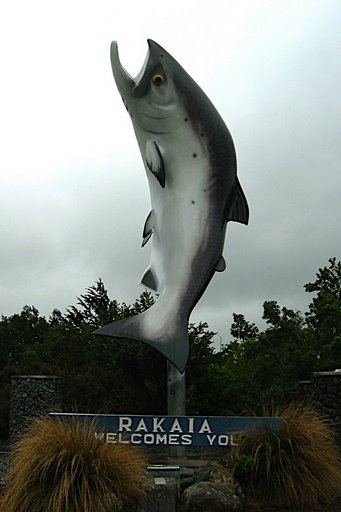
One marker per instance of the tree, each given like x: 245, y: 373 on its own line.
x: 96, y: 308
x: 102, y: 374
x: 137, y: 372
x: 267, y: 365
x: 202, y: 381
x: 242, y: 330
x: 324, y: 315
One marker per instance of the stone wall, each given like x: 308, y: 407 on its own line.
x: 37, y: 395
x: 32, y: 396
x: 323, y: 392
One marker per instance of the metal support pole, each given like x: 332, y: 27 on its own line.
x: 176, y: 400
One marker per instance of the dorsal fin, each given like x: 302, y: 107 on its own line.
x: 155, y: 162
x: 237, y: 210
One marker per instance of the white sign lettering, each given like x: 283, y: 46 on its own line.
x: 151, y: 438
x: 141, y: 426
x: 176, y: 427
x: 157, y: 424
x: 124, y: 423
x: 205, y: 427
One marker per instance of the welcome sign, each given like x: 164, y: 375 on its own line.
x: 170, y: 430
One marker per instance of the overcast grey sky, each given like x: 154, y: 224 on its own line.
x: 73, y: 194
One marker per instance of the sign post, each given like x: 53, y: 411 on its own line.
x: 176, y: 400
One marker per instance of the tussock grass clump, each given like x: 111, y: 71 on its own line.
x: 62, y: 467
x: 297, y: 465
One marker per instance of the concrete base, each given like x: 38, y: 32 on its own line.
x: 176, y: 401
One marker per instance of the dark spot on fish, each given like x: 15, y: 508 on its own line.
x: 202, y: 134
x: 205, y: 189
x: 161, y: 55
x: 193, y: 202
x: 194, y: 155
x: 186, y: 119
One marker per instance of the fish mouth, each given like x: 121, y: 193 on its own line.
x: 126, y: 84
x: 132, y: 89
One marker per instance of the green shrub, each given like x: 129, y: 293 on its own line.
x: 297, y: 465
x: 62, y: 467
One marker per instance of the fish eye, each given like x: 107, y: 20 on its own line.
x: 158, y: 79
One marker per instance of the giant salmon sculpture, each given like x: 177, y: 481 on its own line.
x: 190, y: 161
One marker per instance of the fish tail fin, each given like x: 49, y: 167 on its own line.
x: 170, y: 338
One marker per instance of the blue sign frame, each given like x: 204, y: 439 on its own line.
x: 148, y: 430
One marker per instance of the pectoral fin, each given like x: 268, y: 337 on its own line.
x: 149, y: 280
x: 155, y: 162
x: 148, y: 228
x: 237, y: 210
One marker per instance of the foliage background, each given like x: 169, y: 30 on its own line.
x: 103, y: 375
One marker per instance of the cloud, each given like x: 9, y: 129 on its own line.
x: 74, y: 197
